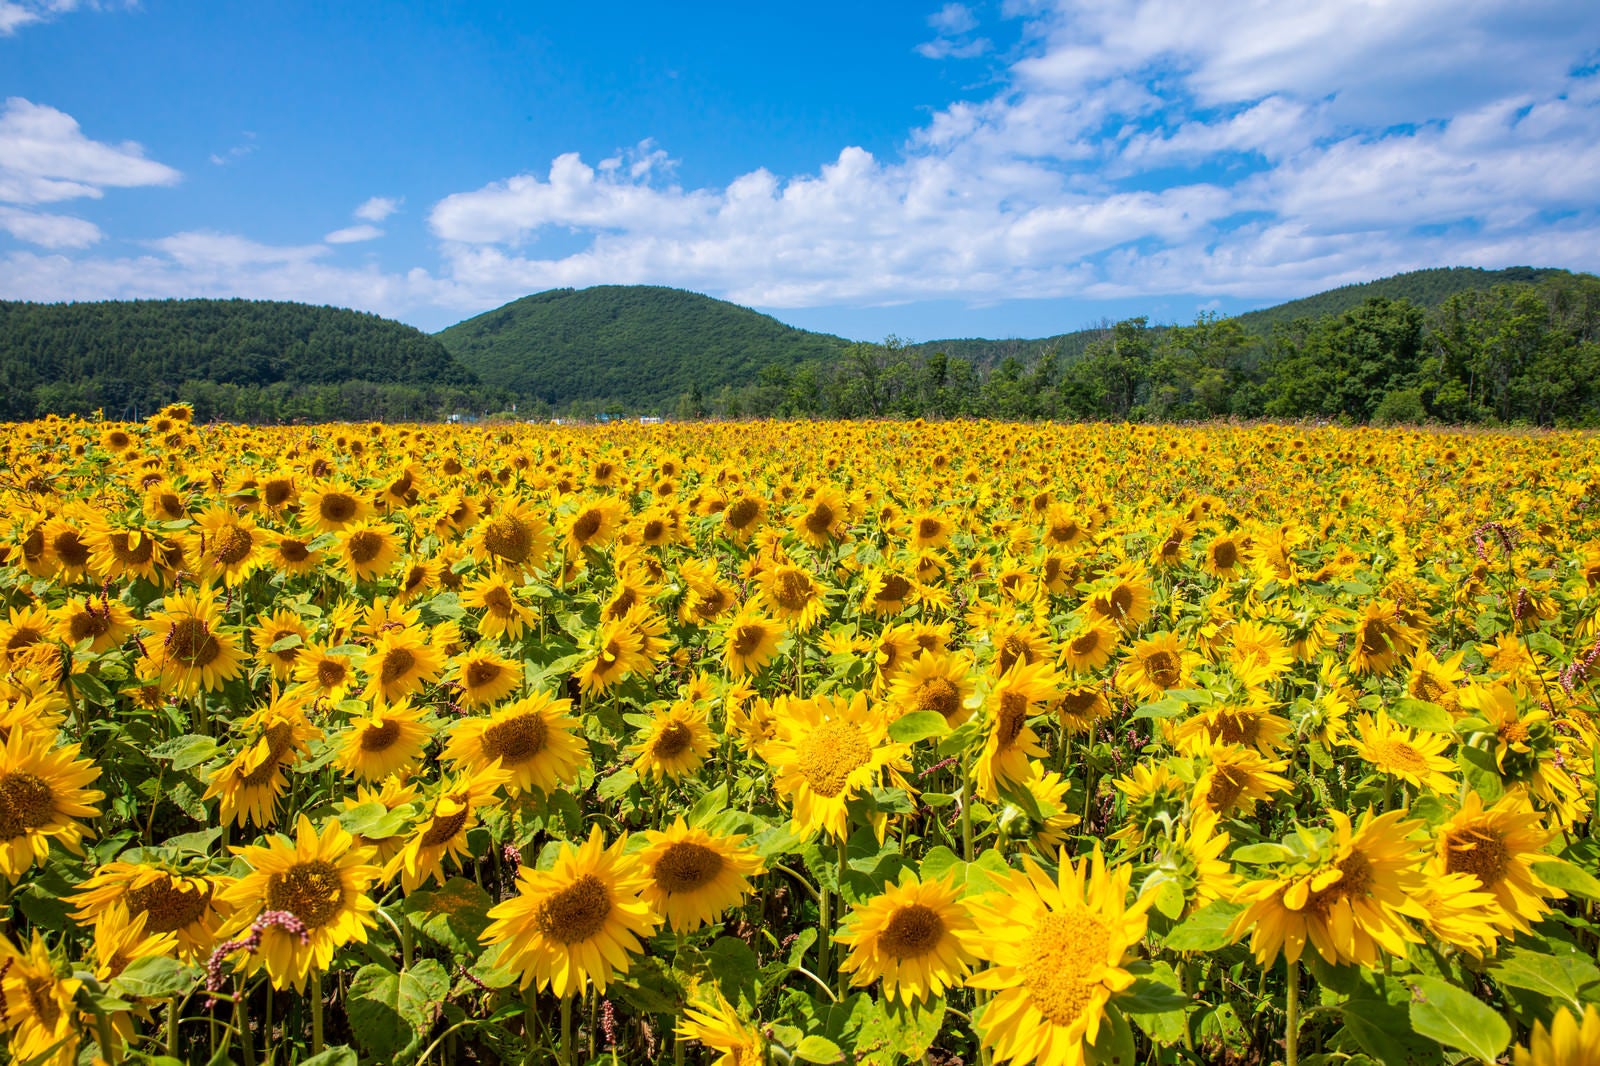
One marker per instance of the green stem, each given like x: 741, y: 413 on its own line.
x: 316, y: 1012
x: 102, y: 1025
x: 241, y: 1021
x: 566, y: 1031
x: 966, y: 809
x: 1291, y: 1043
x: 840, y: 978
x: 824, y: 925
x: 172, y: 1027
x: 530, y: 1017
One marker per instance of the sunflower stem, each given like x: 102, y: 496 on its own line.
x: 566, y: 1030
x: 530, y: 1018
x: 172, y: 1027
x: 824, y: 931
x: 1291, y: 1040
x: 840, y: 979
x: 102, y: 1026
x: 966, y: 808
x: 316, y: 1012
x: 241, y: 1021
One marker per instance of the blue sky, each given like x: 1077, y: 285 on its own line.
x: 1011, y: 168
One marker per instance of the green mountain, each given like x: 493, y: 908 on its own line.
x: 1425, y: 288
x: 638, y: 346
x: 267, y: 358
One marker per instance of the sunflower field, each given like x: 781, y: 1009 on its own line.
x: 958, y: 743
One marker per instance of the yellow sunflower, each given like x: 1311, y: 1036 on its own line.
x: 1009, y: 741
x: 332, y: 507
x: 718, y: 1026
x: 323, y: 673
x: 442, y: 832
x: 752, y: 641
x: 1156, y: 664
x: 248, y: 785
x: 282, y: 627
x: 593, y: 524
x: 367, y: 549
x: 226, y: 547
x: 826, y: 750
x: 537, y: 740
x: 674, y: 744
x: 578, y: 921
x: 188, y: 907
x: 1057, y: 951
x: 39, y: 1004
x: 792, y: 595
x: 192, y: 649
x: 1236, y: 778
x: 100, y: 620
x: 43, y: 793
x: 504, y: 613
x: 934, y: 681
x: 1089, y: 647
x: 912, y: 936
x: 485, y: 677
x: 1498, y: 845
x: 514, y: 538
x: 388, y: 740
x: 321, y: 879
x: 695, y: 876
x: 1569, y: 1041
x: 1415, y: 757
x: 401, y: 662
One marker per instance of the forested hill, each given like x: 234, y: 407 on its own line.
x: 637, y: 346
x: 249, y: 359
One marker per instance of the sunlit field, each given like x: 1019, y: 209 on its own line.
x: 798, y: 742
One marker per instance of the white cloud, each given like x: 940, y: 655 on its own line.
x: 954, y: 22
x: 354, y: 234
x: 953, y: 19
x: 378, y: 208
x: 45, y: 158
x: 48, y: 231
x: 14, y: 14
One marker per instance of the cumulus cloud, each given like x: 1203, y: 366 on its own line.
x: 354, y: 234
x: 45, y: 157
x: 14, y: 14
x: 378, y: 208
x: 46, y: 230
x: 954, y: 24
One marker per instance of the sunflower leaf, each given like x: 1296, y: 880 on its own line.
x: 818, y: 1049
x: 1442, y: 1012
x: 1568, y: 877
x: 1206, y: 929
x: 1420, y: 714
x: 918, y: 725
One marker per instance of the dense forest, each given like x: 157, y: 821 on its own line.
x: 633, y: 346
x: 1523, y: 352
x: 235, y: 359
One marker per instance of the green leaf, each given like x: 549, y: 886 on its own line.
x: 706, y: 806
x: 735, y: 967
x: 1167, y: 708
x: 1383, y: 1030
x: 562, y: 801
x: 1419, y: 714
x: 284, y: 643
x: 1548, y: 975
x: 1457, y: 1019
x: 340, y: 1055
x: 1206, y: 929
x: 1258, y: 854
x: 616, y: 785
x: 1114, y: 1047
x: 918, y: 725
x: 184, y: 752
x: 155, y: 977
x: 1146, y: 996
x: 389, y: 1012
x: 372, y: 820
x: 1480, y: 771
x: 452, y: 916
x: 1164, y: 1024
x: 909, y: 1030
x: 1570, y: 878
x: 818, y: 1049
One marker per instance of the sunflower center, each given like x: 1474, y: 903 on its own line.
x: 444, y: 828
x: 364, y: 547
x: 911, y: 931
x: 793, y: 590
x: 233, y: 545
x: 929, y: 528
x: 167, y: 905
x: 938, y: 694
x: 587, y: 525
x: 381, y: 737
x: 654, y: 530
x: 171, y: 504
x: 70, y: 549
x: 311, y: 891
x: 1163, y: 668
x: 1514, y: 732
x: 1086, y: 643
x: 1225, y: 555
x: 337, y: 507
x: 293, y: 551
x: 23, y: 637
x: 276, y: 492
x: 686, y: 866
x: 191, y: 643
x: 509, y: 537
x: 1428, y: 688
x: 1226, y: 786
x: 498, y: 601
x: 830, y: 754
x: 38, y: 989
x: 516, y: 739
x: 1400, y: 756
x: 130, y: 553
x: 1234, y: 728
x: 820, y: 520
x: 1078, y: 702
x: 741, y: 514
x: 575, y: 913
x: 1375, y: 637
x: 397, y: 662
x: 481, y: 672
x: 1477, y: 852
x: 331, y: 672
x: 673, y: 740
x: 748, y: 638
x: 1065, y: 957
x: 26, y: 802
x: 86, y: 624
x: 1354, y: 883
x: 1013, y: 715
x: 33, y: 545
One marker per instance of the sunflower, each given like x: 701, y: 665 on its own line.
x: 39, y: 1006
x: 1056, y: 950
x: 792, y: 595
x: 674, y: 744
x: 321, y: 879
x: 1381, y: 639
x: 1235, y: 778
x: 65, y: 550
x: 291, y: 554
x: 120, y: 940
x: 332, y: 507
x: 1529, y: 753
x: 323, y: 673
x: 1226, y: 557
x: 1089, y: 647
x: 618, y: 650
x: 823, y: 520
x: 26, y: 627
x: 718, y: 1026
x: 1156, y: 664
x: 911, y: 935
x: 1009, y: 741
x: 887, y: 593
x: 934, y: 681
x: 1192, y: 858
x: 1498, y: 845
x: 116, y: 553
x: 442, y: 832
x: 42, y: 794
x: 593, y: 524
x: 1018, y: 642
x: 225, y: 547
x: 248, y: 785
x: 194, y: 652
x: 1049, y: 791
x: 285, y: 631
x: 752, y: 641
x: 504, y: 613
x: 695, y: 875
x: 1460, y: 913
x: 1079, y: 707
x: 485, y: 677
x: 1125, y: 603
x: 1350, y: 894
x: 1570, y: 1041
x: 188, y: 907
x: 1414, y: 757
x: 1232, y: 723
x: 165, y: 502
x: 367, y: 549
x: 1064, y: 529
x: 578, y: 921
x: 387, y: 741
x: 930, y: 531
x: 515, y: 538
x: 401, y: 662
x: 1437, y: 682
x: 825, y: 751
x: 1259, y: 648
x: 537, y: 740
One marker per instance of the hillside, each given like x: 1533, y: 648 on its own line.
x: 1425, y: 288
x: 638, y: 346
x: 128, y: 355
